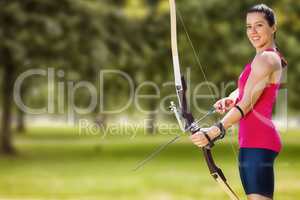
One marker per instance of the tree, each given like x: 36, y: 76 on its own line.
x: 45, y: 34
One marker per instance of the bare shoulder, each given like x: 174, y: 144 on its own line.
x: 266, y: 61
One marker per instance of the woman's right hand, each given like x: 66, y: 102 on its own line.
x: 224, y: 105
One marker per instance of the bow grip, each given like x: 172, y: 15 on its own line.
x: 210, y: 142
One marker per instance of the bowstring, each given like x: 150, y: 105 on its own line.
x: 196, y: 55
x: 152, y: 155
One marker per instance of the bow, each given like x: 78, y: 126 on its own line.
x: 184, y: 117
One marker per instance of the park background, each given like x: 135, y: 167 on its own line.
x: 60, y: 149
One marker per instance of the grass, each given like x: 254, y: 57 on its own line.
x: 59, y: 163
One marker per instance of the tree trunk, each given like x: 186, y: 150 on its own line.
x: 6, y: 145
x: 20, y: 127
x: 20, y: 121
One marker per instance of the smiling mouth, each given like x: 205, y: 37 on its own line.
x: 255, y: 39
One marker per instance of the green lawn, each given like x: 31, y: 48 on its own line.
x: 58, y: 163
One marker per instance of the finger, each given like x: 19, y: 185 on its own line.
x: 219, y: 108
x: 229, y: 102
x: 217, y: 104
x: 223, y: 104
x: 195, y: 138
x: 201, y: 143
x: 232, y: 103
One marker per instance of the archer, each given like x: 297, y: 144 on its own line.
x: 251, y: 106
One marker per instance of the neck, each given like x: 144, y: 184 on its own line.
x: 265, y: 46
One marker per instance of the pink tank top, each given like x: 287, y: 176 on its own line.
x: 256, y: 129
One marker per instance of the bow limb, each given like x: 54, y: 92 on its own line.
x: 175, y: 57
x: 181, y: 88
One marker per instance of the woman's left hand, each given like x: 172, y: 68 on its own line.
x: 199, y: 138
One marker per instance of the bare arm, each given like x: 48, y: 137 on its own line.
x: 262, y: 68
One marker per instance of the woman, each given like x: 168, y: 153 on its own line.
x: 251, y: 105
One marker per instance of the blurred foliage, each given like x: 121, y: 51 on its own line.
x: 84, y: 37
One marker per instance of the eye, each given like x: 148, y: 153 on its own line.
x: 248, y: 27
x: 260, y: 25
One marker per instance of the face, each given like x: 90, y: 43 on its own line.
x: 259, y: 32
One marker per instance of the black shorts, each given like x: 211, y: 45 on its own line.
x: 256, y: 171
